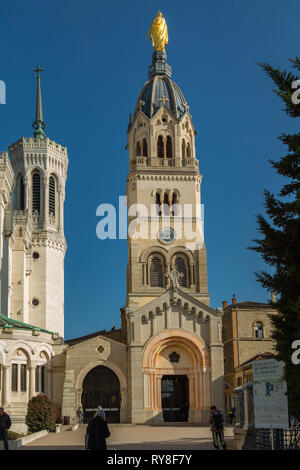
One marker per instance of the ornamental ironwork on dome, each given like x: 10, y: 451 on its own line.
x: 160, y: 90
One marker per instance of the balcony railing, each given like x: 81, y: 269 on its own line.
x: 140, y: 162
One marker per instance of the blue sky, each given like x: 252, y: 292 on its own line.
x: 96, y: 58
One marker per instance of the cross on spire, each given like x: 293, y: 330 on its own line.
x: 39, y: 124
x: 38, y: 71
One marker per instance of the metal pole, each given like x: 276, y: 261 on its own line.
x: 272, y: 438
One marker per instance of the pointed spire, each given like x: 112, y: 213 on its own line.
x: 39, y: 125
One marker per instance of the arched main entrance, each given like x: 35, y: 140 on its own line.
x: 177, y: 377
x: 101, y: 386
x: 175, y: 397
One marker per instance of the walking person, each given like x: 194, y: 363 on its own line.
x: 100, y: 412
x: 217, y: 427
x: 5, y: 424
x: 97, y: 432
x: 79, y: 413
x: 230, y: 416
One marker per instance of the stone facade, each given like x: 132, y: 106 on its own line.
x: 169, y: 333
x: 246, y: 333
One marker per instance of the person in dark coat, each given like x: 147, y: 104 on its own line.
x: 97, y: 431
x: 5, y: 424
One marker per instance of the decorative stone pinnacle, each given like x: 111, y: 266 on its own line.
x: 39, y: 124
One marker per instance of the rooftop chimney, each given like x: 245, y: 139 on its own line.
x: 233, y: 299
x: 224, y: 304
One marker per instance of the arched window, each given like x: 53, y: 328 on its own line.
x: 160, y: 147
x: 156, y: 271
x: 258, y: 329
x: 145, y: 149
x: 157, y: 202
x: 183, y: 149
x: 36, y: 192
x: 169, y: 147
x: 181, y: 266
x: 138, y: 149
x: 51, y: 195
x: 166, y: 204
x: 21, y: 194
x: 174, y: 204
x: 188, y: 150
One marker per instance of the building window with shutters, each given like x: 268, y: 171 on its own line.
x: 36, y: 192
x: 43, y: 377
x: 14, y: 377
x: 23, y: 378
x: 51, y: 196
x: 40, y: 379
x: 156, y: 271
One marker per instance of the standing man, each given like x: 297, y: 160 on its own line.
x: 79, y: 413
x: 5, y: 424
x: 217, y: 427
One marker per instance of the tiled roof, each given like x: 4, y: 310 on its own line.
x: 258, y: 357
x: 6, y: 322
x: 90, y: 336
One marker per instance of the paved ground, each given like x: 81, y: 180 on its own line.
x: 135, y: 438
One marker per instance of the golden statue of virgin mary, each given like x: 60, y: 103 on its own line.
x: 158, y: 33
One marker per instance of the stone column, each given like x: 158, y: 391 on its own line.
x: 6, y: 385
x: 60, y: 209
x: 32, y: 381
x: 45, y: 202
x: 49, y: 382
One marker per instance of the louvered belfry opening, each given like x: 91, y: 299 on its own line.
x: 156, y: 272
x: 145, y: 148
x: 36, y: 192
x: 21, y: 194
x: 169, y: 147
x: 160, y: 147
x: 51, y: 196
x: 181, y: 268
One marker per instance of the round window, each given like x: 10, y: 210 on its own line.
x: 35, y: 255
x: 35, y: 302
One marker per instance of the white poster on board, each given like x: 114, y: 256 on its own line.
x: 270, y: 399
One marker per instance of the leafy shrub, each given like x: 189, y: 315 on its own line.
x: 40, y: 414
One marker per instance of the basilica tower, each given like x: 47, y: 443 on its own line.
x: 175, y: 351
x: 37, y: 242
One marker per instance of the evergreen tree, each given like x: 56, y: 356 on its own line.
x: 280, y: 245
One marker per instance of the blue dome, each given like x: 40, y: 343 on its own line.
x: 160, y: 90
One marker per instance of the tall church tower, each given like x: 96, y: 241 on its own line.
x: 37, y: 242
x: 164, y: 179
x: 175, y: 351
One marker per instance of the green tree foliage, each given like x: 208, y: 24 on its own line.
x: 41, y: 414
x: 280, y: 245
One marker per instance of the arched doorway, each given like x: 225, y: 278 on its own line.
x: 101, y: 386
x: 177, y: 377
x: 175, y: 398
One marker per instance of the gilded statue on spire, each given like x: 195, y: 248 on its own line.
x: 158, y: 33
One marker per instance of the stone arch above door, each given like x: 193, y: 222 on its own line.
x: 181, y: 337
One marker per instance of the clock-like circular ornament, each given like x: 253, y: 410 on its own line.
x: 167, y: 235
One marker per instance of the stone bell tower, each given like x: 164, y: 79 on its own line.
x: 37, y: 242
x: 164, y: 178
